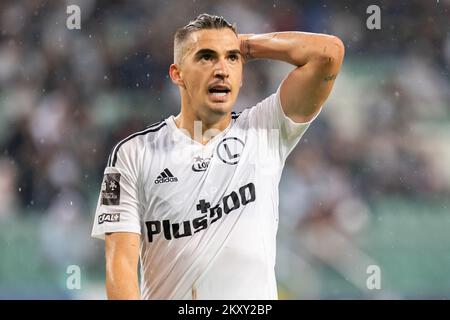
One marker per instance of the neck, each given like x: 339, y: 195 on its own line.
x: 202, y: 128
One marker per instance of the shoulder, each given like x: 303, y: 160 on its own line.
x: 135, y: 142
x: 265, y: 110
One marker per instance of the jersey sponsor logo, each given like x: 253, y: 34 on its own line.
x: 209, y: 215
x: 108, y: 217
x: 229, y: 150
x: 110, y: 192
x: 200, y: 164
x: 165, y: 177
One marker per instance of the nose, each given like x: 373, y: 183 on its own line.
x: 221, y: 69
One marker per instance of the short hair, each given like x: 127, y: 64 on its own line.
x: 202, y: 22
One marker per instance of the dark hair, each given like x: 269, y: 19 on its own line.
x: 202, y: 22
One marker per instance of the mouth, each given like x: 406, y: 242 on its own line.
x: 219, y: 93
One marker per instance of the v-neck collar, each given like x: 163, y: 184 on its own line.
x: 177, y: 131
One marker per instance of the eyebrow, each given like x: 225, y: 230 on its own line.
x: 201, y: 52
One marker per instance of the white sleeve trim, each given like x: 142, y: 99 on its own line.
x: 100, y: 232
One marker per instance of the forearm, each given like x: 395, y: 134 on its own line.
x: 121, y: 281
x: 296, y: 48
x: 122, y: 257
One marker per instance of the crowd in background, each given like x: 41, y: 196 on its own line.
x: 67, y: 96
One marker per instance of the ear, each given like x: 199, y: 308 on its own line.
x: 176, y: 75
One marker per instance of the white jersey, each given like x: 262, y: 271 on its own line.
x: 207, y: 214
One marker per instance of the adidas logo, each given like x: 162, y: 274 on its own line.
x: 165, y: 177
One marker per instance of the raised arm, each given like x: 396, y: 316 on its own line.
x: 317, y: 57
x: 122, y: 256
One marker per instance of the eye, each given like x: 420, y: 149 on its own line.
x: 206, y: 56
x: 234, y: 57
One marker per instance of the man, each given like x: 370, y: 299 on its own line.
x: 195, y: 196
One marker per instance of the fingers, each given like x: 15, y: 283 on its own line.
x: 245, y: 46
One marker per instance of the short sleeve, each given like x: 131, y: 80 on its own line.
x: 118, y: 206
x: 282, y: 132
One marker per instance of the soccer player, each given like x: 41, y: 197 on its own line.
x: 195, y: 197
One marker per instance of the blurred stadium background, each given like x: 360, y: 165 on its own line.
x: 368, y: 185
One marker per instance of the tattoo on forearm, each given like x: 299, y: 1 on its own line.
x: 330, y: 77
